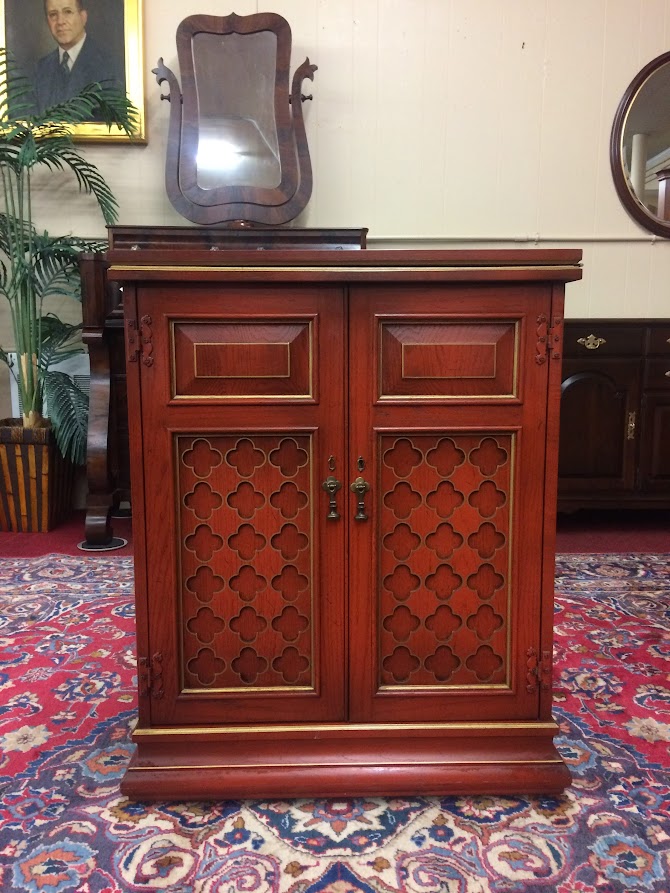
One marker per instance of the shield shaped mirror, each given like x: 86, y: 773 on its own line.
x: 237, y: 148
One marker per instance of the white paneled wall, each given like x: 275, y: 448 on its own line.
x: 443, y: 122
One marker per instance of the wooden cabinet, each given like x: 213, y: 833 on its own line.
x: 615, y: 415
x: 344, y: 479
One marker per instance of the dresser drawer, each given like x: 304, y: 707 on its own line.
x: 659, y: 340
x: 657, y: 373
x: 592, y: 339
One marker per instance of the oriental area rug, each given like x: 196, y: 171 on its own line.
x: 67, y: 702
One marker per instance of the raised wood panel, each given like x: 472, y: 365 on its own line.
x: 657, y: 374
x: 655, y: 459
x: 659, y: 339
x: 448, y: 359
x: 596, y: 404
x: 243, y: 358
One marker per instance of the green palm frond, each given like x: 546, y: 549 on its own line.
x: 101, y: 101
x: 14, y: 84
x: 56, y: 267
x: 34, y: 266
x: 60, y: 340
x: 89, y: 178
x: 68, y: 411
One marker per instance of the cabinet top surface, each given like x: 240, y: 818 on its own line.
x: 347, y: 265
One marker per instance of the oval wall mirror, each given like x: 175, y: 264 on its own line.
x: 640, y: 147
x: 237, y: 149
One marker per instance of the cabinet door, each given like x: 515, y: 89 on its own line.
x: 449, y: 414
x: 242, y: 404
x: 599, y: 426
x: 655, y: 436
x: 655, y: 427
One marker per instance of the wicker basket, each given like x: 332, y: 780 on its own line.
x: 36, y: 482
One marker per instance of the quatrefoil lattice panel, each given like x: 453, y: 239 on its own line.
x: 246, y: 561
x: 445, y: 510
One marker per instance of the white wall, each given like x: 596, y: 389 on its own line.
x: 455, y: 123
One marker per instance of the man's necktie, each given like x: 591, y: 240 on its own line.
x: 65, y: 63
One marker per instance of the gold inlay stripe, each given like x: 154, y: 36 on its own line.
x: 348, y: 764
x: 246, y: 690
x: 176, y: 268
x: 493, y: 727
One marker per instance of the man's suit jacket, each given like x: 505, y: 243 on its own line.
x: 93, y: 64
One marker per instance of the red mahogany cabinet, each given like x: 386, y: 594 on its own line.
x: 344, y: 479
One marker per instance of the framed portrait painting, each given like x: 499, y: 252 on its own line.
x: 104, y: 38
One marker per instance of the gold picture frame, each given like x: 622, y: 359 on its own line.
x: 115, y: 24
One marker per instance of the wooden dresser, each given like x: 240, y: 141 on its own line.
x: 615, y: 415
x: 344, y: 470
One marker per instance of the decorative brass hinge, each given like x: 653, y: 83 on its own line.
x: 555, y: 338
x: 150, y: 676
x: 146, y: 337
x: 538, y: 672
x: 542, y: 333
x: 132, y: 341
x: 139, y: 340
x: 548, y: 338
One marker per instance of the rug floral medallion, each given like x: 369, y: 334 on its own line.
x: 67, y: 704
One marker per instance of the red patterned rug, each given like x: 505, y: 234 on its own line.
x: 67, y: 701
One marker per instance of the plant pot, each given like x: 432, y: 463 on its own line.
x: 36, y: 482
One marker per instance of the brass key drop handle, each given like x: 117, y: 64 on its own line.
x: 360, y: 487
x: 331, y: 485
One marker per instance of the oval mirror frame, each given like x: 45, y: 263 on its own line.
x: 622, y: 182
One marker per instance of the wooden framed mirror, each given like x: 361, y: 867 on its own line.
x: 640, y: 147
x: 237, y: 148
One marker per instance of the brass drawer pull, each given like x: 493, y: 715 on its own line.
x: 360, y: 487
x: 592, y: 342
x: 630, y: 430
x: 331, y: 485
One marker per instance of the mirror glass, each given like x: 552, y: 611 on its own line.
x: 646, y: 137
x: 640, y: 147
x: 237, y: 130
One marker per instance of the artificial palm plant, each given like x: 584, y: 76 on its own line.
x: 35, y: 266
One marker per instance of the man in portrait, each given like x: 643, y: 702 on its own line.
x: 78, y: 59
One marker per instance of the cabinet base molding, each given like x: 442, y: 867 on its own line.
x: 337, y: 761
